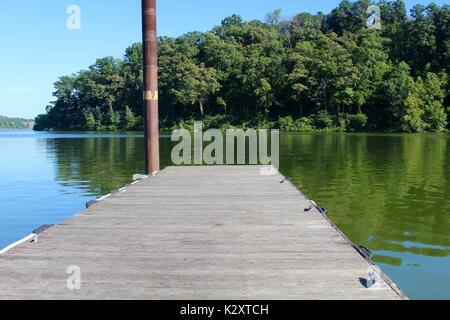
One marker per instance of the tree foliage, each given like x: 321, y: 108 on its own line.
x: 322, y: 71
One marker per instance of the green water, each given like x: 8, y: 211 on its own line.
x: 387, y: 192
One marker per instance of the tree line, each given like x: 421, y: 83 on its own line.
x: 14, y: 123
x: 311, y: 72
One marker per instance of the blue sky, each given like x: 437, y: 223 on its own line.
x: 37, y: 47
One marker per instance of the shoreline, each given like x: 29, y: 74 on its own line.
x: 168, y: 132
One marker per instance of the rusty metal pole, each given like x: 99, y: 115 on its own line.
x: 150, y: 46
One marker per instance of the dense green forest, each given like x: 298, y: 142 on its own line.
x: 13, y: 123
x: 310, y: 72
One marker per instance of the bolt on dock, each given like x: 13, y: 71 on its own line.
x: 206, y: 232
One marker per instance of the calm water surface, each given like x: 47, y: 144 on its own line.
x: 390, y: 193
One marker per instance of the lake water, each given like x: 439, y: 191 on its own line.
x: 388, y: 192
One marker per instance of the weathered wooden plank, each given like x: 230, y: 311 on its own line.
x: 220, y: 232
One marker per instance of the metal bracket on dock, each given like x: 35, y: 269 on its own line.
x: 91, y: 203
x: 366, y: 253
x: 38, y: 231
x: 323, y: 211
x: 138, y: 177
x: 285, y: 179
x: 42, y: 228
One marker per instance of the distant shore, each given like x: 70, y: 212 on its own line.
x: 15, y: 123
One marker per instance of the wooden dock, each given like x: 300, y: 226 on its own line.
x: 217, y: 232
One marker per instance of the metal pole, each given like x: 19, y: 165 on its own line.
x: 150, y: 46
